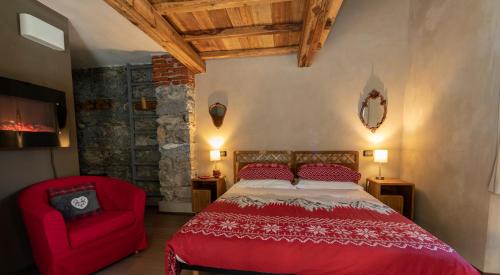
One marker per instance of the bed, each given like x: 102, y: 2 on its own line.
x: 292, y: 231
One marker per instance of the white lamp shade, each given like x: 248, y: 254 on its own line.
x: 214, y: 155
x: 380, y: 155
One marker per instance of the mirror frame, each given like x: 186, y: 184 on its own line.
x: 217, y: 120
x: 373, y: 95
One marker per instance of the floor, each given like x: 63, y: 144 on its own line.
x: 159, y: 227
x: 151, y: 261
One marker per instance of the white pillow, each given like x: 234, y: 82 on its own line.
x: 316, y: 184
x: 268, y: 183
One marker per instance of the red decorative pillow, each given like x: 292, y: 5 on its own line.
x: 75, y: 201
x: 263, y: 171
x: 328, y: 172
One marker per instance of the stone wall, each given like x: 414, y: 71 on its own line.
x: 175, y: 108
x: 104, y: 132
x: 103, y: 124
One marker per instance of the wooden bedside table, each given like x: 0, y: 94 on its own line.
x: 397, y: 194
x: 205, y: 191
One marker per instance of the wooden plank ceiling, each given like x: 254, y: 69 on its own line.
x: 196, y: 30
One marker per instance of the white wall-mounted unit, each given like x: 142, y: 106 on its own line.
x: 41, y: 32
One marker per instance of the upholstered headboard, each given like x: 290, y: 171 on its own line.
x: 295, y: 159
x: 242, y: 158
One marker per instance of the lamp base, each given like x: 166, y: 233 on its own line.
x: 380, y: 178
x: 216, y: 173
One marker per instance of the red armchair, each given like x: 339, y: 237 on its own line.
x: 85, y: 245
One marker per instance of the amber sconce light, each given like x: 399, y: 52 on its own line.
x: 217, y: 111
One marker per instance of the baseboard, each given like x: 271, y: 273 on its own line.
x: 175, y: 207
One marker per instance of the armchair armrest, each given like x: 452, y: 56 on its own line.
x: 45, y: 226
x: 115, y: 194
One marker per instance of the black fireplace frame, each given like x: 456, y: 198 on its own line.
x: 15, y: 140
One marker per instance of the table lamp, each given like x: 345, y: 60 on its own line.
x: 215, y: 156
x: 380, y: 156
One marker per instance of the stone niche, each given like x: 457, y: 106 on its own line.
x: 176, y: 126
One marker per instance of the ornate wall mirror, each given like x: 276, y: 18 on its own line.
x: 373, y: 110
x: 217, y: 112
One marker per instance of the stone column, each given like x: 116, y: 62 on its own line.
x: 176, y: 126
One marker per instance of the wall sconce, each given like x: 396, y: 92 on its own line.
x: 217, y: 111
x: 380, y: 156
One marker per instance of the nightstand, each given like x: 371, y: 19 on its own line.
x: 205, y: 191
x: 397, y: 194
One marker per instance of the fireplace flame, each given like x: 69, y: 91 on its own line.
x: 19, y: 126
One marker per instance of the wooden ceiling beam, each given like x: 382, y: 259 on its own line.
x: 142, y: 14
x: 317, y: 14
x: 166, y: 7
x: 249, y: 52
x: 241, y: 32
x: 332, y: 16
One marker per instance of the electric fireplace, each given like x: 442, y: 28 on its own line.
x: 30, y: 115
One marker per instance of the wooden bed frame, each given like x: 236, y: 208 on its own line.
x: 294, y: 159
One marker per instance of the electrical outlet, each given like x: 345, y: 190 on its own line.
x: 368, y: 153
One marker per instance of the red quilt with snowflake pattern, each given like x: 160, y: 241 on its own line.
x: 290, y: 231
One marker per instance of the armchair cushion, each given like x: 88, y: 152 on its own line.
x: 75, y: 201
x: 90, y: 229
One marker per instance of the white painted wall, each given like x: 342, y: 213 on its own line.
x: 450, y: 123
x: 449, y: 127
x: 274, y: 105
x: 100, y: 36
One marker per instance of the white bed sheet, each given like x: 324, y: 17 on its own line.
x: 310, y: 199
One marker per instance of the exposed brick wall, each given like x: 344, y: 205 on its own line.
x: 169, y: 71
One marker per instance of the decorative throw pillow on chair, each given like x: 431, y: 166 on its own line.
x: 75, y: 201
